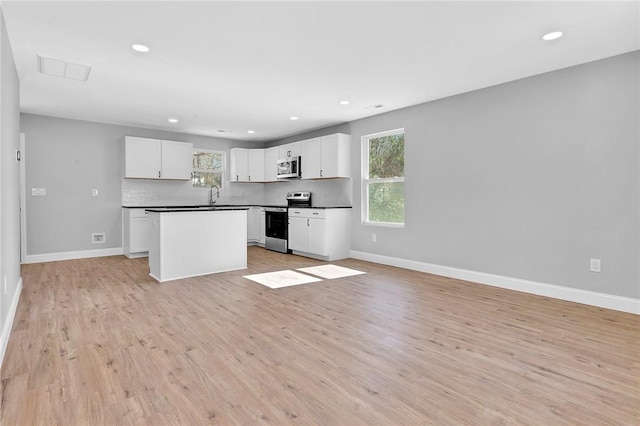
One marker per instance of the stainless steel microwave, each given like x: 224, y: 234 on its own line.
x: 290, y: 168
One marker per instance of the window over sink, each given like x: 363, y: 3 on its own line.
x: 383, y: 178
x: 208, y: 168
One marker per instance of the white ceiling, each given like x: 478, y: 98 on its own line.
x: 239, y: 66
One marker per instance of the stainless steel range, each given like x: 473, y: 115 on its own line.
x: 276, y: 226
x: 299, y: 199
x: 277, y: 221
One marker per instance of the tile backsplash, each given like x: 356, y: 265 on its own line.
x: 148, y: 192
x: 324, y: 192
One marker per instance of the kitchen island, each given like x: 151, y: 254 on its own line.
x: 188, y: 242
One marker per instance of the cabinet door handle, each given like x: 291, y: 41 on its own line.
x: 249, y: 178
x: 159, y: 174
x: 307, y: 222
x: 237, y: 179
x: 320, y: 172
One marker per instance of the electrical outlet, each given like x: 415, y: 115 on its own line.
x: 38, y: 192
x: 373, y: 238
x: 98, y: 238
x: 594, y: 265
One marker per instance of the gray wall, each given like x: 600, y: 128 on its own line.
x: 339, y: 128
x: 9, y: 182
x: 528, y: 179
x: 70, y: 157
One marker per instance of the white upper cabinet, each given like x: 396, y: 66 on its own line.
x: 336, y: 156
x: 327, y: 157
x: 256, y: 165
x: 177, y: 160
x: 156, y: 159
x: 290, y: 150
x: 322, y: 158
x: 271, y: 157
x: 142, y: 158
x: 311, y: 158
x: 239, y: 165
x: 247, y: 165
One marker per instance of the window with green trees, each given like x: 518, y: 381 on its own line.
x: 208, y: 168
x: 383, y: 178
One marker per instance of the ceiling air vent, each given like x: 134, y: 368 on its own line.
x: 58, y: 68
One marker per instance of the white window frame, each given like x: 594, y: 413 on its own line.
x: 224, y: 165
x: 366, y: 180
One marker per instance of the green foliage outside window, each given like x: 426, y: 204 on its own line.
x: 208, y: 168
x: 386, y: 157
x: 385, y: 183
x: 386, y: 202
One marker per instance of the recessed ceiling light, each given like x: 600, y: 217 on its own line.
x: 251, y: 131
x: 344, y: 102
x: 293, y: 118
x: 140, y: 48
x: 552, y: 35
x: 173, y: 120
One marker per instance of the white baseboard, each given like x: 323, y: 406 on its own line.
x: 602, y: 300
x: 68, y: 255
x: 137, y: 254
x: 6, y: 330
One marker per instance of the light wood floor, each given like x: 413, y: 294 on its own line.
x: 97, y: 341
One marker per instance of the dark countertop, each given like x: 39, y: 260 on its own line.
x: 227, y: 206
x: 194, y: 209
x: 199, y: 206
x: 323, y: 207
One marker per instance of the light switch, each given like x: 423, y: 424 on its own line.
x: 38, y: 192
x: 94, y: 192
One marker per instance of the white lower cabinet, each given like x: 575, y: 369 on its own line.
x: 298, y: 233
x: 262, y: 226
x: 320, y: 233
x: 253, y: 225
x: 136, y: 232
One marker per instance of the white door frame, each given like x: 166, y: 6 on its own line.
x: 23, y: 202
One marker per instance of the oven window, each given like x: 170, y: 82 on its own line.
x: 276, y: 224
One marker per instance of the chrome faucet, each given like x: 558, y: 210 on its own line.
x: 211, y: 200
